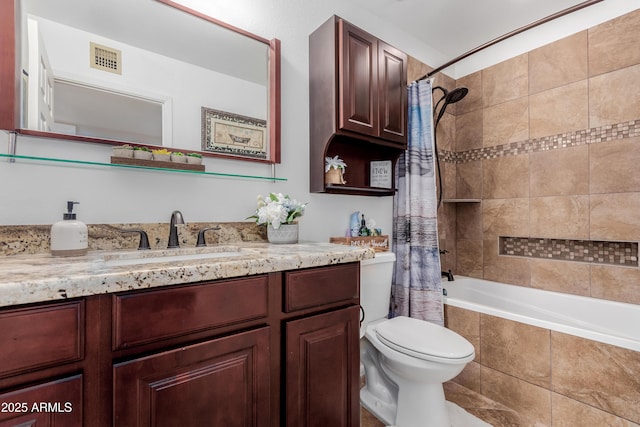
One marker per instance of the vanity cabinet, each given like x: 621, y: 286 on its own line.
x: 322, y: 350
x: 358, y: 105
x: 269, y: 350
x: 322, y: 370
x: 218, y: 382
x: 43, y: 363
x: 54, y: 403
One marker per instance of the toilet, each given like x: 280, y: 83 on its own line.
x: 405, y: 360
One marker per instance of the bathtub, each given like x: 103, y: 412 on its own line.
x: 595, y: 319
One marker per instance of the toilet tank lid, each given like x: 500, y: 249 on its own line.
x: 379, y: 258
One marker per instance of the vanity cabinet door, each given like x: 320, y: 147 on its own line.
x: 55, y: 403
x: 322, y: 370
x: 220, y: 382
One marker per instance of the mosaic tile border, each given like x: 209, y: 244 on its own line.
x: 592, y: 251
x: 618, y: 131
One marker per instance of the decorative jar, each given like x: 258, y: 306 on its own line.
x: 286, y: 233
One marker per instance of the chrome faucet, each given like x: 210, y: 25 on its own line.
x: 176, y: 218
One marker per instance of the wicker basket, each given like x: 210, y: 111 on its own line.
x: 334, y: 176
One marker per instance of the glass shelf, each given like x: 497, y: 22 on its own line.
x: 15, y: 157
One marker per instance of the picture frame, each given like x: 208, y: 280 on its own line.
x: 234, y: 135
x: 381, y: 174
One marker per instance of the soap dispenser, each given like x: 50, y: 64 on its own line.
x: 69, y: 237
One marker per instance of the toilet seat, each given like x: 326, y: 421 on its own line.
x: 424, y: 340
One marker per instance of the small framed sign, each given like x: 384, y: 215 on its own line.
x: 380, y: 175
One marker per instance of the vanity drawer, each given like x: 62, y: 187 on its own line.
x: 148, y: 316
x: 319, y: 286
x: 38, y: 337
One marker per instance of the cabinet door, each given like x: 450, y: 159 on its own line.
x: 56, y: 403
x: 392, y: 94
x: 322, y: 371
x: 358, y: 65
x: 221, y: 382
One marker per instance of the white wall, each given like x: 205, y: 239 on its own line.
x: 36, y: 193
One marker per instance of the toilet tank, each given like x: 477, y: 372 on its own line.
x: 375, y: 286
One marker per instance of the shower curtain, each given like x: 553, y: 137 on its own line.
x: 416, y: 290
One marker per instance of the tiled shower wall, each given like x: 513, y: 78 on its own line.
x: 546, y: 377
x: 549, y: 142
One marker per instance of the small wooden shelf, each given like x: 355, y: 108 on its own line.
x: 362, y: 191
x: 156, y: 164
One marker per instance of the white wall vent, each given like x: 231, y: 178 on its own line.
x: 105, y: 58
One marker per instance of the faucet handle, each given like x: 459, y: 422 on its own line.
x: 144, y: 238
x: 201, y: 239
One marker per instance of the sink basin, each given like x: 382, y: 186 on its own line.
x: 172, y: 255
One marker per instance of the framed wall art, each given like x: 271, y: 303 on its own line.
x: 381, y: 172
x: 234, y: 135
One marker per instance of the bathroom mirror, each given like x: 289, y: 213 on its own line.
x: 142, y: 72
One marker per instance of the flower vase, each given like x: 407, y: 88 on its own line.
x: 286, y: 233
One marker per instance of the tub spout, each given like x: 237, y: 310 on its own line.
x: 448, y: 275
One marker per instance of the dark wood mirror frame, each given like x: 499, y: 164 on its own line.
x: 10, y: 81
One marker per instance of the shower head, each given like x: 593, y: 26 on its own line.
x: 456, y: 95
x: 452, y: 97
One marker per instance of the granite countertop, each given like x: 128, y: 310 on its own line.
x: 37, y: 278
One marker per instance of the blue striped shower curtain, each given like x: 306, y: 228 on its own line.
x: 416, y: 290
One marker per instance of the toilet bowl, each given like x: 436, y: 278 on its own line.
x: 405, y: 360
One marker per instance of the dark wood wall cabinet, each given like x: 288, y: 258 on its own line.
x: 358, y: 105
x: 272, y: 350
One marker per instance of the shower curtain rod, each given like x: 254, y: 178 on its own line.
x: 511, y: 34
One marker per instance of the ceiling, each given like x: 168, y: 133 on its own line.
x: 454, y: 27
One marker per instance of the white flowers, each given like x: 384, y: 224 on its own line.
x: 277, y: 209
x: 334, y: 163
